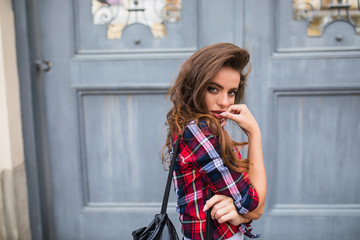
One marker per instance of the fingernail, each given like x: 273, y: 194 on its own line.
x: 205, y: 208
x: 223, y: 114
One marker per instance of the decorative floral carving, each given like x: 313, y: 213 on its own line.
x: 118, y: 14
x: 320, y: 13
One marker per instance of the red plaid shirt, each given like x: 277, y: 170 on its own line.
x: 199, y: 165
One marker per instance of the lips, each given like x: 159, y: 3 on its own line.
x: 216, y: 113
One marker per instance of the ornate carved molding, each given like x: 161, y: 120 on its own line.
x: 118, y: 14
x: 321, y: 13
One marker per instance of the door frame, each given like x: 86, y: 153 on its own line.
x: 33, y: 116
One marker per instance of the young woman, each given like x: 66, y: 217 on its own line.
x: 205, y: 95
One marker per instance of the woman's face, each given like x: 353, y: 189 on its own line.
x: 220, y: 93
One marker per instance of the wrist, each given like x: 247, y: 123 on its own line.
x: 254, y: 132
x: 241, y: 220
x: 238, y: 221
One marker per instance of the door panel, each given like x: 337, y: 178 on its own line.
x: 119, y: 160
x: 91, y: 39
x: 314, y: 128
x: 291, y: 34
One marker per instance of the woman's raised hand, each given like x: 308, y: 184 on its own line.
x: 224, y: 210
x: 242, y: 116
x: 256, y: 171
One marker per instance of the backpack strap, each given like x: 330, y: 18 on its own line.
x: 170, y: 175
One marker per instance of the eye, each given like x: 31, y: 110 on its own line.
x: 232, y: 93
x: 212, y: 89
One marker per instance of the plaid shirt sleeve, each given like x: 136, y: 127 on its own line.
x: 202, y: 150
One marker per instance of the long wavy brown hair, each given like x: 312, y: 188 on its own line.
x: 188, y: 97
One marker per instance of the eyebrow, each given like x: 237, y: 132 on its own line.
x: 221, y: 87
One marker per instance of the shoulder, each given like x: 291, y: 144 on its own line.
x: 198, y: 133
x: 198, y: 143
x: 198, y: 128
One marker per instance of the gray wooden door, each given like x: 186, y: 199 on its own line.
x: 105, y: 105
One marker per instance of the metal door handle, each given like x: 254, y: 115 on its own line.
x: 42, y: 65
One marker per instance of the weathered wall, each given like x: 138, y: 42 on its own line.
x: 14, y: 216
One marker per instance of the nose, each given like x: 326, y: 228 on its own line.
x: 223, y: 101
